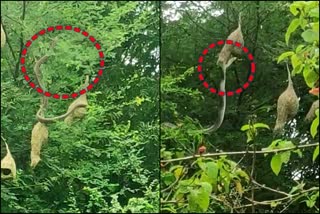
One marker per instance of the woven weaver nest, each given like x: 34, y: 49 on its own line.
x: 3, y: 37
x: 38, y: 138
x: 8, y: 166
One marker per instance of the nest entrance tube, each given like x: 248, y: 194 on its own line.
x: 8, y: 166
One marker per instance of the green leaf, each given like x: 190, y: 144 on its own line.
x: 184, y: 186
x: 314, y: 127
x: 166, y: 155
x: 295, y: 61
x: 292, y: 27
x: 193, y: 199
x: 286, y: 144
x: 295, y: 7
x: 279, y: 144
x: 285, y: 156
x: 168, y: 178
x: 298, y: 69
x: 310, y: 76
x: 299, y: 48
x: 226, y: 184
x: 315, y: 196
x: 206, y: 187
x: 244, y: 127
x: 285, y: 55
x: 303, y: 23
x: 178, y: 172
x: 276, y: 163
x: 296, y: 188
x: 315, y: 124
x: 315, y: 26
x: 310, y: 36
x: 242, y: 174
x: 310, y: 5
x: 249, y: 136
x: 261, y: 125
x: 275, y: 204
x: 199, y: 199
x: 310, y: 203
x: 298, y: 151
x: 204, y: 178
x: 174, y: 167
x: 204, y: 200
x: 212, y: 172
x: 314, y: 12
x: 315, y: 153
x: 201, y: 164
x: 273, y: 145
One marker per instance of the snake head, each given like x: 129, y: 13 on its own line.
x: 230, y: 61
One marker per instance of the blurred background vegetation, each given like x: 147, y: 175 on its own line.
x: 234, y: 183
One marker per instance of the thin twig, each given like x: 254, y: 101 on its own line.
x: 208, y: 12
x: 268, y: 202
x: 199, y: 26
x: 21, y: 39
x: 269, y: 188
x: 8, y: 41
x: 252, y: 175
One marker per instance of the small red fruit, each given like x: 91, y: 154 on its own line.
x: 202, y: 149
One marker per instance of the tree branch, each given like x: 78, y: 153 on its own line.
x: 270, y: 189
x: 21, y: 39
x: 239, y: 153
x: 268, y: 202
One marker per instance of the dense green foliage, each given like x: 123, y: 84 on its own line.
x: 108, y: 161
x: 239, y: 171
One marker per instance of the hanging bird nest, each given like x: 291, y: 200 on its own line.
x: 78, y: 108
x: 78, y: 112
x: 287, y: 106
x: 38, y: 138
x: 8, y: 166
x: 3, y: 37
x: 312, y: 111
x: 228, y: 51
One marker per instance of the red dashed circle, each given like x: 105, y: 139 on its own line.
x: 48, y: 30
x: 238, y: 90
